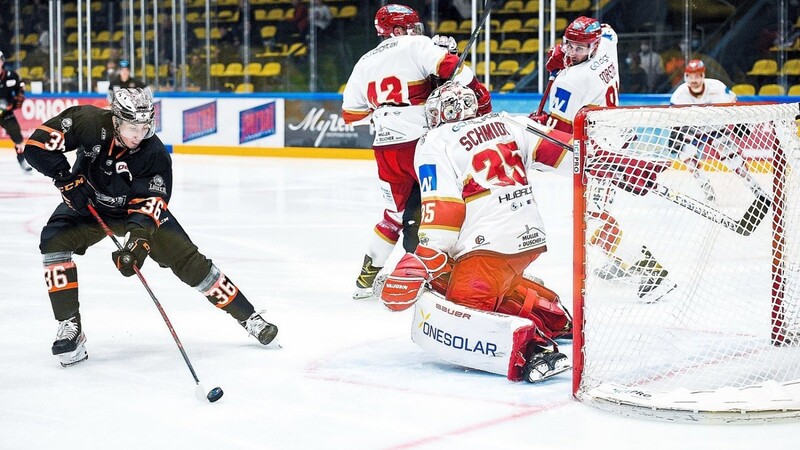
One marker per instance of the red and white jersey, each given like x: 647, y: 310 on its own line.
x: 474, y: 182
x: 714, y: 91
x: 394, y: 77
x: 592, y: 82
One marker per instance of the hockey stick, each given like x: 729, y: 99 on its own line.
x: 487, y: 9
x: 744, y: 226
x: 212, y: 395
x: 546, y: 92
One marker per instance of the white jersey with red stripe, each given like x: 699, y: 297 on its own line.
x: 592, y: 82
x: 714, y: 91
x: 474, y: 183
x: 391, y: 82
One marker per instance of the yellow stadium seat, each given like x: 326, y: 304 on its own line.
x: 253, y: 69
x: 532, y: 6
x: 791, y: 67
x: 530, y: 26
x: 341, y: 88
x: 243, y: 88
x: 512, y: 6
x: 511, y: 26
x: 233, y: 69
x: 480, y: 67
x: 465, y: 27
x: 507, y: 67
x: 268, y: 31
x: 771, y: 89
x: 764, y: 67
x: 348, y: 12
x: 794, y: 91
x: 217, y: 69
x: 493, y: 46
x: 744, y: 89
x: 529, y: 68
x: 508, y: 86
x: 509, y: 46
x: 271, y: 69
x: 530, y: 46
x: 447, y: 27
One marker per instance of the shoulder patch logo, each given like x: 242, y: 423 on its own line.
x: 157, y: 185
x: 66, y: 124
x: 427, y: 177
x: 561, y: 100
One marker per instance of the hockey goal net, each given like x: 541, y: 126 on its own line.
x: 687, y: 296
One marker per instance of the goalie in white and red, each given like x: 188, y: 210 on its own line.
x: 480, y: 230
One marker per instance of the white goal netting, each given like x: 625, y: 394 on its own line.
x: 688, y: 297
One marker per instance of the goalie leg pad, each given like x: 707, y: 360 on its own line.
x: 486, y: 341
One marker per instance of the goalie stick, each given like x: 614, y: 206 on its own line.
x: 745, y: 226
x: 487, y: 9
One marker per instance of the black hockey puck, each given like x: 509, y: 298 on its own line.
x: 214, y: 394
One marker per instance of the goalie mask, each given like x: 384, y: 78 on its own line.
x: 391, y: 16
x: 134, y: 115
x: 450, y: 102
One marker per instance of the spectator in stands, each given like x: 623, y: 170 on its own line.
x: 652, y: 64
x: 322, y: 16
x: 634, y: 77
x: 111, y: 70
x: 299, y: 20
x: 123, y: 78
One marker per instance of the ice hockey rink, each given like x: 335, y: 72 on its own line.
x: 291, y: 233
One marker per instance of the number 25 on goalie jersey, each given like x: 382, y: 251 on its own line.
x: 474, y: 182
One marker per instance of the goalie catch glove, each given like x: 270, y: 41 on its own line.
x: 483, y: 95
x: 404, y: 286
x: 636, y: 176
x: 447, y: 43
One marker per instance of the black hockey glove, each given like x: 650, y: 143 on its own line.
x: 134, y: 252
x: 76, y: 191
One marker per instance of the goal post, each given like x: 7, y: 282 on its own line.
x: 687, y: 261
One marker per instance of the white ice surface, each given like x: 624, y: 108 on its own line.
x: 291, y: 233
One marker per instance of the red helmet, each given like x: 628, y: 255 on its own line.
x: 584, y: 30
x: 391, y: 16
x: 695, y: 66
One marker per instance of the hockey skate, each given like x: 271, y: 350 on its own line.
x: 68, y: 345
x: 259, y: 328
x: 25, y: 166
x: 612, y: 270
x: 544, y: 364
x: 366, y: 280
x: 654, y: 284
x: 711, y: 197
x: 654, y: 287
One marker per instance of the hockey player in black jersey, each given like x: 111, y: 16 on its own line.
x: 124, y: 170
x: 12, y: 94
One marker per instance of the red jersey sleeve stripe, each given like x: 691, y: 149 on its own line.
x: 353, y: 116
x: 443, y: 213
x: 549, y: 153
